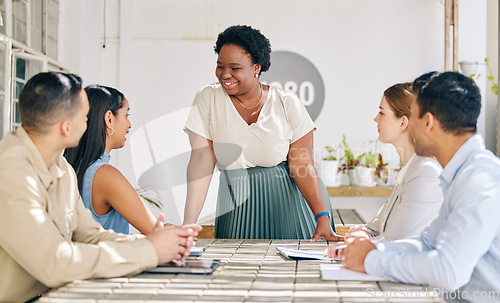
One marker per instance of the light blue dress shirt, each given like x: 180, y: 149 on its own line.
x: 459, y: 253
x: 112, y: 220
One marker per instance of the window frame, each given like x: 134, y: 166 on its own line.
x: 18, y: 53
x: 6, y: 106
x: 15, y: 49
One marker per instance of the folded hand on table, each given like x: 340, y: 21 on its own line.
x: 172, y: 242
x: 353, y: 256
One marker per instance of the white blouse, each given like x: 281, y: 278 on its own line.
x: 283, y: 120
x: 414, y: 203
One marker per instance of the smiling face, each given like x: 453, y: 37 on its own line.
x: 121, y: 125
x: 235, y: 70
x: 390, y: 127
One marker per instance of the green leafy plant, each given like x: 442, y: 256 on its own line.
x: 150, y: 195
x: 331, y: 154
x: 370, y: 159
x: 491, y: 78
x: 351, y: 161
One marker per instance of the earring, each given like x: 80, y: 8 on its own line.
x: 256, y: 75
x: 112, y: 131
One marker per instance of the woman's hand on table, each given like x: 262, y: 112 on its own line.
x: 196, y: 227
x: 172, y: 243
x: 324, y: 230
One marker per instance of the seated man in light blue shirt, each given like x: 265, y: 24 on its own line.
x: 459, y: 253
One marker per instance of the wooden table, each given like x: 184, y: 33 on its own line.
x: 250, y: 271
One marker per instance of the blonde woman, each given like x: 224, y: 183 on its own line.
x: 417, y: 195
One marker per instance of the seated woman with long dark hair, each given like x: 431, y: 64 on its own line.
x: 113, y: 201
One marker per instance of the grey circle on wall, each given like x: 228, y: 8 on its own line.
x: 294, y: 73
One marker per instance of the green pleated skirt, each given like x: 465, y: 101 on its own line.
x: 263, y: 203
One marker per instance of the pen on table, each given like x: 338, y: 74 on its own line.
x: 341, y: 246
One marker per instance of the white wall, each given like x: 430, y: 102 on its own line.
x: 472, y: 47
x: 160, y: 53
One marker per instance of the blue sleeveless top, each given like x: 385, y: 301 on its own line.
x: 112, y: 220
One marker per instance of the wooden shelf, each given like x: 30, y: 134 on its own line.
x: 359, y: 191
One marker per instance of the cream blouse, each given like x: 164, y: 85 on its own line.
x: 283, y: 120
x: 414, y: 203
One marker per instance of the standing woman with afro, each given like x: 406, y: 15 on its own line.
x: 261, y: 139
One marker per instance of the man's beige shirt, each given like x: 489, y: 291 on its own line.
x: 47, y: 236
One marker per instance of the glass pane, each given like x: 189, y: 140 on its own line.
x: 53, y: 9
x: 19, y: 12
x: 17, y: 117
x: 52, y: 48
x: 52, y: 28
x: 2, y: 18
x: 36, y: 24
x: 18, y: 88
x: 2, y: 117
x: 20, y: 68
x: 34, y: 67
x: 2, y: 68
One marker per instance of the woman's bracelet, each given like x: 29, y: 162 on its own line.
x: 325, y: 213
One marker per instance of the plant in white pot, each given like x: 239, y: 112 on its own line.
x: 360, y: 169
x: 329, y: 168
x: 365, y: 174
x: 351, y: 162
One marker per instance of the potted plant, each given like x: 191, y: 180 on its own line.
x: 365, y: 172
x: 360, y: 169
x: 382, y: 172
x: 350, y: 160
x: 329, y: 168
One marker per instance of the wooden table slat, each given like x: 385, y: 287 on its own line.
x: 250, y: 271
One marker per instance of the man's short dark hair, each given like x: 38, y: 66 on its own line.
x: 454, y: 99
x: 47, y: 98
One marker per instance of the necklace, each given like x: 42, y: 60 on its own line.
x: 252, y: 107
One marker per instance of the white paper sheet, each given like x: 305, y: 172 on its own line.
x: 303, y: 254
x: 338, y: 273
